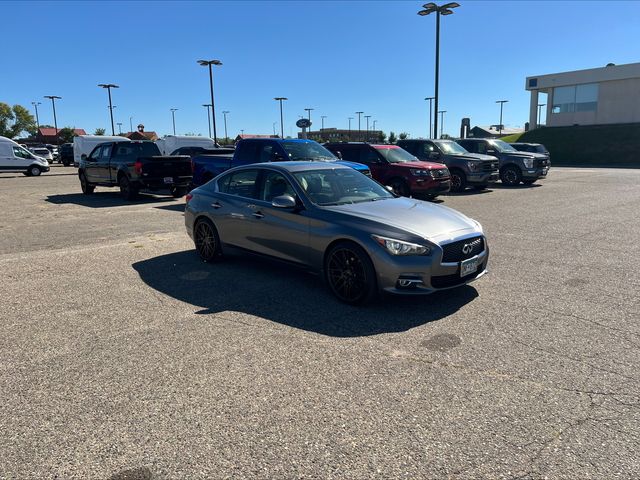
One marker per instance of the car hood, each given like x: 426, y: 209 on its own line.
x: 419, y: 164
x: 354, y: 165
x: 526, y: 155
x: 472, y: 156
x: 435, y: 223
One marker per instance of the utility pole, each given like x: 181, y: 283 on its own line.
x: 224, y: 113
x: 359, y: 130
x: 173, y: 117
x: 109, y: 86
x: 281, y: 99
x: 367, y: 117
x: 53, y: 99
x: 35, y: 104
x: 501, y: 102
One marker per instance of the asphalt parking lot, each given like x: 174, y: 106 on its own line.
x: 123, y: 356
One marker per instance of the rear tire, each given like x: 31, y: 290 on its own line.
x: 350, y: 274
x: 86, y: 187
x: 178, y: 192
x: 510, y: 175
x: 127, y: 189
x: 458, y: 180
x: 206, y: 240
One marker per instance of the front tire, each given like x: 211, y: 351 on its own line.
x: 458, y: 181
x: 127, y: 189
x: 206, y: 240
x: 350, y: 274
x: 510, y: 175
x: 86, y: 187
x: 34, y: 171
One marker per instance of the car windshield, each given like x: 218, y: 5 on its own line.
x: 340, y: 186
x: 307, y: 151
x: 41, y: 151
x: 452, y: 147
x: 502, y: 147
x: 396, y: 154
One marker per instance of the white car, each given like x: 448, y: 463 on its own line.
x: 42, y: 152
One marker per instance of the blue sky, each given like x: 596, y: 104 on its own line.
x: 335, y: 57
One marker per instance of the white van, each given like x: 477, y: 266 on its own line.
x: 171, y: 143
x: 84, y: 144
x: 16, y: 158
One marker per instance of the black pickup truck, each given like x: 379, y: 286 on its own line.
x: 134, y: 166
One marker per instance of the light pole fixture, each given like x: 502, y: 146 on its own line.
x: 35, y: 104
x: 281, y: 99
x: 445, y: 9
x: 501, y: 102
x: 430, y: 115
x: 367, y: 117
x: 308, y: 110
x: 224, y: 114
x: 209, y: 63
x: 173, y: 117
x: 119, y: 128
x: 540, y: 105
x: 131, y: 124
x: 109, y: 86
x: 350, y: 118
x: 322, y: 118
x: 207, y: 106
x: 441, y: 112
x: 359, y: 130
x: 55, y: 120
x: 274, y: 128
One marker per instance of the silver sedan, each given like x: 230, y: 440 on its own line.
x: 331, y: 219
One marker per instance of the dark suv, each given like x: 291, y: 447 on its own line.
x: 467, y: 169
x: 515, y: 166
x: 65, y: 153
x: 531, y: 147
x: 396, y: 168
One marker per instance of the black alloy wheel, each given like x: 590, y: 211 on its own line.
x: 87, y: 188
x: 350, y: 274
x: 399, y: 187
x: 458, y: 181
x: 510, y: 175
x: 206, y: 240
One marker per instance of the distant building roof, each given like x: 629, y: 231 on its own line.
x: 493, y: 131
x: 51, y: 132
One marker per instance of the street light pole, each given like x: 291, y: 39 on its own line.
x: 540, y: 105
x: 309, y: 116
x: 207, y: 106
x: 439, y: 10
x: 55, y: 120
x: 367, y: 117
x: 109, y: 86
x: 224, y: 113
x: 131, y: 124
x: 281, y: 99
x: 119, y: 128
x: 430, y: 115
x: 441, y: 112
x: 359, y: 130
x: 323, y: 117
x: 209, y: 63
x: 350, y: 118
x: 501, y: 102
x: 173, y: 117
x: 35, y: 104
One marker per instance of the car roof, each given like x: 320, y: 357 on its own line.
x: 279, y: 140
x: 296, y: 166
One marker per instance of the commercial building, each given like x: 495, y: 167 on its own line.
x: 338, y: 135
x: 596, y: 96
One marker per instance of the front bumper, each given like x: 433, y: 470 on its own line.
x: 535, y: 173
x: 421, y: 275
x: 429, y: 186
x: 482, y: 178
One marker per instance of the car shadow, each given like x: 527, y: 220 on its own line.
x: 105, y: 199
x: 289, y: 296
x: 174, y: 207
x: 469, y: 191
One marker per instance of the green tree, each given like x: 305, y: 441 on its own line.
x: 99, y: 131
x: 403, y: 135
x: 382, y: 137
x: 66, y: 134
x: 392, y: 137
x: 15, y: 120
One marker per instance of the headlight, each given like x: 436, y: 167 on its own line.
x: 399, y: 247
x: 528, y: 162
x: 474, y: 166
x: 420, y: 173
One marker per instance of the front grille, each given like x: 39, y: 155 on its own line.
x: 454, y: 252
x: 541, y: 162
x: 490, y: 166
x: 444, y: 281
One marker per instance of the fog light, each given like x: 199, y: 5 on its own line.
x: 408, y: 283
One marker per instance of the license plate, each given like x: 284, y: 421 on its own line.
x: 469, y: 266
x: 168, y: 179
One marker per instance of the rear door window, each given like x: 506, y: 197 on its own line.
x: 240, y: 184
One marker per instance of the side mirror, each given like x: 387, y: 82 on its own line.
x: 491, y: 151
x: 284, y: 201
x: 83, y: 156
x: 389, y: 187
x: 278, y: 158
x: 339, y: 155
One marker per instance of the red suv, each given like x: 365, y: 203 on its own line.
x: 397, y: 168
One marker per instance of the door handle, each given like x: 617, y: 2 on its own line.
x: 216, y: 205
x: 258, y: 215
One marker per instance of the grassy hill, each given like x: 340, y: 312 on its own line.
x: 593, y: 145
